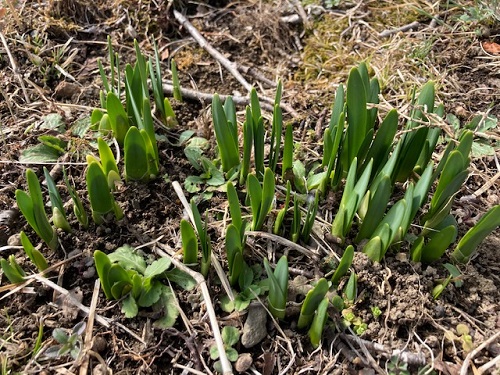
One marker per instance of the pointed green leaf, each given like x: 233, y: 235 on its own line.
x: 344, y: 264
x: 102, y: 265
x: 318, y: 324
x: 267, y: 197
x: 101, y: 200
x: 108, y: 160
x: 287, y: 164
x: 12, y: 270
x: 189, y: 243
x: 135, y: 156
x: 351, y: 288
x: 383, y: 141
x: 474, y: 236
x: 311, y: 303
x: 356, y: 114
x: 438, y: 244
x: 376, y: 208
x: 118, y: 118
x: 374, y: 248
x: 254, y: 191
x: 234, y: 206
x: 247, y: 145
x: 416, y: 249
x: 228, y: 150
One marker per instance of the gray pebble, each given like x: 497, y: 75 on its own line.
x: 254, y: 330
x: 244, y: 362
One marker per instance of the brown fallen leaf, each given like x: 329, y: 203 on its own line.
x: 491, y: 47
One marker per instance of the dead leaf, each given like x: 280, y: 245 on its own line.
x: 3, y: 11
x: 165, y: 54
x: 69, y: 310
x: 491, y: 47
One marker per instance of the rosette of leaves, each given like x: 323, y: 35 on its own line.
x: 67, y: 343
x: 230, y: 337
x: 125, y: 274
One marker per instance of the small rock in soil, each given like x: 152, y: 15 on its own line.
x: 254, y: 329
x: 66, y: 90
x: 14, y: 240
x: 101, y: 370
x: 244, y: 362
x: 99, y: 345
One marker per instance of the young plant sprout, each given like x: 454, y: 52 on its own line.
x: 278, y: 287
x: 32, y: 207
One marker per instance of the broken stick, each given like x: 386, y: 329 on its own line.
x: 229, y: 65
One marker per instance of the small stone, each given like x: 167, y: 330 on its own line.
x: 99, y: 345
x: 66, y: 90
x: 402, y: 257
x: 461, y: 111
x: 254, y: 329
x: 14, y: 240
x: 439, y: 311
x: 101, y: 369
x: 244, y: 362
x: 89, y: 273
x: 432, y: 341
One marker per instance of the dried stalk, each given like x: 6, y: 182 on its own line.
x: 13, y: 65
x: 202, y: 283
x: 229, y: 65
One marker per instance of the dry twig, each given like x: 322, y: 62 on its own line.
x: 284, y: 242
x: 205, y: 96
x: 416, y: 359
x: 215, y: 262
x: 410, y: 26
x: 13, y: 65
x: 473, y: 353
x: 106, y: 322
x: 229, y: 65
x: 87, y: 346
x: 202, y: 283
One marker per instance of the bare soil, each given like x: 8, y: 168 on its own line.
x: 53, y: 69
